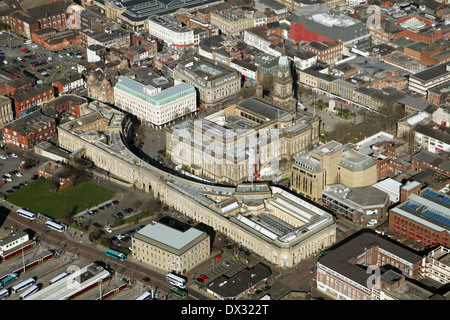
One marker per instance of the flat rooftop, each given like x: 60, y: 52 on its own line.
x: 169, y: 238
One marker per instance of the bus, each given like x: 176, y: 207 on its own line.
x: 23, y: 285
x: 175, y: 280
x: 58, y: 277
x: 144, y: 296
x: 56, y: 226
x: 178, y: 292
x: 27, y: 214
x: 116, y: 254
x: 9, y: 279
x: 4, y: 294
x: 29, y: 292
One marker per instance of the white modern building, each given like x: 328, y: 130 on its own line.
x: 152, y: 105
x: 433, y: 138
x: 177, y: 37
x: 422, y: 81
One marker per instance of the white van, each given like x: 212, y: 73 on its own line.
x: 372, y: 222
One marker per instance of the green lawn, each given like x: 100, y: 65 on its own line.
x: 37, y: 198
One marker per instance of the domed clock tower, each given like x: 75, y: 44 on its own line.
x: 282, y: 84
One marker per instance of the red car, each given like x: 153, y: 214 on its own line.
x: 204, y: 278
x: 3, y: 182
x: 23, y: 49
x: 218, y: 257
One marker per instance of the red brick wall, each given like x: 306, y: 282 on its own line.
x: 299, y: 33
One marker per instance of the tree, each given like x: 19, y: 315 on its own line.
x: 94, y: 234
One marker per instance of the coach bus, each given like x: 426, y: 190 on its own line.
x: 4, y: 294
x: 26, y: 214
x: 144, y: 296
x: 116, y: 254
x: 9, y: 279
x: 178, y: 292
x: 175, y: 280
x: 29, y: 292
x: 23, y: 285
x: 56, y: 226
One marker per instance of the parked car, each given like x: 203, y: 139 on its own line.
x: 117, y: 243
x: 108, y: 229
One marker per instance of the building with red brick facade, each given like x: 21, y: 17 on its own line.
x: 54, y: 170
x: 323, y: 24
x: 52, y: 14
x: 30, y: 129
x: 423, y: 218
x: 346, y: 273
x: 53, y: 39
x: 328, y: 52
x: 67, y: 103
x: 29, y: 100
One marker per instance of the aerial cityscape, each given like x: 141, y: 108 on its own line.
x: 237, y: 150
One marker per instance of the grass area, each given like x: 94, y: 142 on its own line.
x: 320, y: 105
x: 344, y: 113
x: 37, y: 198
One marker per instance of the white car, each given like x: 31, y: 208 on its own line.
x: 108, y: 229
x: 18, y: 174
x: 3, y: 157
x: 14, y: 155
